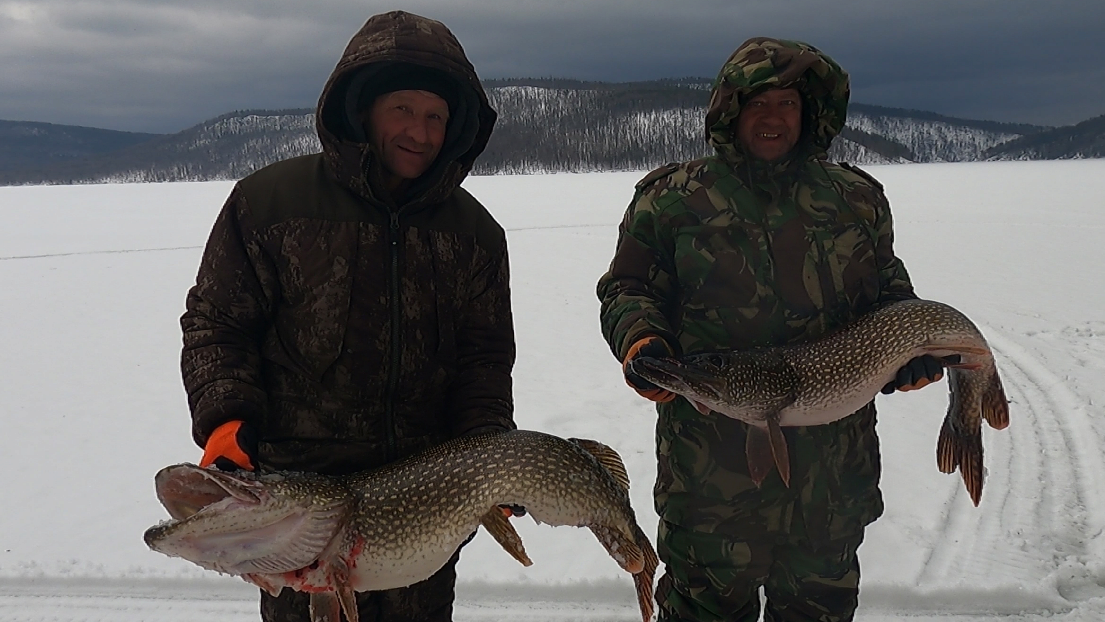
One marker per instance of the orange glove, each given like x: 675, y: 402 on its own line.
x: 649, y: 345
x: 232, y: 446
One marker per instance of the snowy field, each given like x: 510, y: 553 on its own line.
x: 91, y: 405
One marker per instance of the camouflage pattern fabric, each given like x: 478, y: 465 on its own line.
x: 351, y: 329
x: 730, y: 252
x: 714, y: 577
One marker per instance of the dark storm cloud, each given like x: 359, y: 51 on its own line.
x: 162, y: 65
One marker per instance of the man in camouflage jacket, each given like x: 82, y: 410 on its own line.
x: 353, y: 306
x: 763, y: 243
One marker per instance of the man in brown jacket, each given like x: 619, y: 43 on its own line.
x: 352, y: 307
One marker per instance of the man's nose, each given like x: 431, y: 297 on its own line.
x: 419, y: 131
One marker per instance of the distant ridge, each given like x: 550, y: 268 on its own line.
x: 545, y: 125
x: 1084, y: 140
x: 29, y: 144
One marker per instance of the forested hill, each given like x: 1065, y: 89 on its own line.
x: 544, y: 126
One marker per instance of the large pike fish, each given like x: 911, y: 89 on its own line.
x: 396, y: 525
x: 829, y: 378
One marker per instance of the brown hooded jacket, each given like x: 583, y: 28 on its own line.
x: 348, y: 328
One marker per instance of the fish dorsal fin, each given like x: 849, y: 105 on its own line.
x: 498, y: 525
x: 607, y: 457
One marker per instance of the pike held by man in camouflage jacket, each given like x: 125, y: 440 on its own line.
x: 348, y: 329
x: 732, y: 252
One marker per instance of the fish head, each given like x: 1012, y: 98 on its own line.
x: 744, y: 385
x: 244, y: 523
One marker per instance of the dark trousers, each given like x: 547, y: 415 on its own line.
x: 711, y: 577
x: 426, y: 601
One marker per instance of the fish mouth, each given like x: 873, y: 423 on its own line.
x: 186, y: 489
x: 676, y: 376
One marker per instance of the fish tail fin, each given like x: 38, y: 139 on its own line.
x: 607, y: 457
x: 636, y: 556
x: 643, y: 580
x: 995, y: 406
x: 622, y: 548
x: 958, y: 450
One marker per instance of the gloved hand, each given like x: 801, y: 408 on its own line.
x: 508, y: 510
x: 512, y: 510
x: 920, y: 372
x: 232, y: 446
x: 651, y: 346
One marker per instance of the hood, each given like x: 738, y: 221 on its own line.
x: 762, y: 63
x: 386, y: 39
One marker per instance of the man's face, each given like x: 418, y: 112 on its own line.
x: 770, y: 123
x: 407, y: 128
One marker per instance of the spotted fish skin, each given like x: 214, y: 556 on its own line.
x: 829, y: 378
x: 397, y: 525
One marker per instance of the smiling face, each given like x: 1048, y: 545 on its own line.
x: 407, y: 128
x: 770, y: 123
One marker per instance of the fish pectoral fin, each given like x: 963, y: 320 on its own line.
x: 263, y: 582
x: 348, y: 599
x: 325, y: 607
x: 766, y: 447
x: 500, y: 528
x: 779, y: 452
x: 701, y: 408
x: 607, y: 457
x: 339, y: 579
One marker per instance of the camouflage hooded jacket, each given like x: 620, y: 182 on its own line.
x: 732, y: 252
x: 352, y: 330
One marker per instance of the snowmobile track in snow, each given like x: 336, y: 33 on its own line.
x: 1040, y: 484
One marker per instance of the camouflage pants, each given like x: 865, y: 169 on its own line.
x: 427, y: 601
x: 712, y: 577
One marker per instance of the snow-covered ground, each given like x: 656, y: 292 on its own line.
x: 93, y: 282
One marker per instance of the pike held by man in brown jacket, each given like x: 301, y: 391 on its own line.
x: 352, y: 307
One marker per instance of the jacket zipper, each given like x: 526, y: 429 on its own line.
x: 393, y: 368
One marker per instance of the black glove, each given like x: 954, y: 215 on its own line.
x: 652, y: 347
x: 515, y: 510
x: 919, y: 372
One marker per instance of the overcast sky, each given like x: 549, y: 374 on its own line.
x: 165, y: 65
